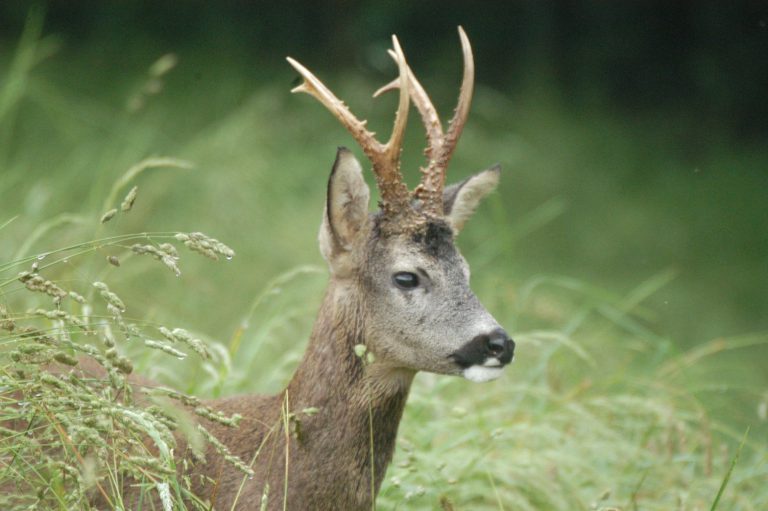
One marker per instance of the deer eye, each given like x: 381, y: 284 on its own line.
x: 405, y: 280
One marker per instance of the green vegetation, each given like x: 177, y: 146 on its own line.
x: 632, y: 297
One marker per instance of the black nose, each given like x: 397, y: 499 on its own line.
x: 485, y: 349
x: 499, y: 345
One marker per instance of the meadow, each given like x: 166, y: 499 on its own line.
x: 636, y: 298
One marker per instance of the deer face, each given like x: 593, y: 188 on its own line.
x: 419, y: 311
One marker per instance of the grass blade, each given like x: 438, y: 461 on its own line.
x: 8, y: 222
x: 730, y: 471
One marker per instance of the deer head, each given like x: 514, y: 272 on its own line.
x: 416, y: 307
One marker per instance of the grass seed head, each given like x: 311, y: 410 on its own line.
x: 129, y: 199
x: 225, y: 452
x: 6, y: 323
x: 164, y: 347
x: 169, y: 249
x: 111, y: 298
x: 123, y: 364
x: 205, y: 245
x: 65, y: 358
x: 34, y: 282
x: 197, y: 345
x: 168, y: 258
x: 109, y: 215
x: 77, y: 297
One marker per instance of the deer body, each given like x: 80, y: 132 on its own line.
x: 329, y: 462
x: 399, y: 287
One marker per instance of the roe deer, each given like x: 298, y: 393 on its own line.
x: 398, y: 286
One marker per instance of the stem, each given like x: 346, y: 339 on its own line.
x: 287, y: 429
x: 370, y: 441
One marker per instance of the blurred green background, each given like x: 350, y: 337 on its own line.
x: 637, y: 130
x: 633, y: 139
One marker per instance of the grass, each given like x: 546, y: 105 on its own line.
x: 635, y: 378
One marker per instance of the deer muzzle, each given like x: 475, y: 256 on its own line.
x: 484, y: 357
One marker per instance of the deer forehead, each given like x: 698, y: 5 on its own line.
x: 431, y: 249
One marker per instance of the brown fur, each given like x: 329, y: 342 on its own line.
x: 329, y: 463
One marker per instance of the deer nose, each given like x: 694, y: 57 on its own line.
x: 499, y: 345
x: 492, y: 350
x: 484, y: 357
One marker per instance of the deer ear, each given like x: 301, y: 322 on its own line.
x: 461, y: 199
x: 346, y: 206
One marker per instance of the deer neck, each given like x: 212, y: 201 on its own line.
x: 360, y: 404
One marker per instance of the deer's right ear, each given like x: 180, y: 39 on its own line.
x: 346, y: 207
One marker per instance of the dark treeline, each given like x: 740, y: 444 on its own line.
x: 709, y: 59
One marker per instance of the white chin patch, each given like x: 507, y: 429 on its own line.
x: 482, y: 374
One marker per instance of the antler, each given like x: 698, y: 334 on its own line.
x: 384, y: 157
x: 440, y: 146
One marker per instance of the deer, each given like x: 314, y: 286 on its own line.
x: 399, y: 287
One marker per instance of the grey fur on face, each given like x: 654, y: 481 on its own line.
x: 424, y: 327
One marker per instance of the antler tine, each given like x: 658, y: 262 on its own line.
x: 384, y: 157
x: 395, y: 143
x: 314, y: 87
x: 465, y: 97
x: 433, y: 177
x: 423, y: 104
x: 440, y: 146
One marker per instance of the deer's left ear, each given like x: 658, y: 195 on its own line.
x: 346, y: 209
x: 461, y: 199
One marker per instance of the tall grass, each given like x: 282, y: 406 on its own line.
x: 602, y: 409
x: 74, y: 428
